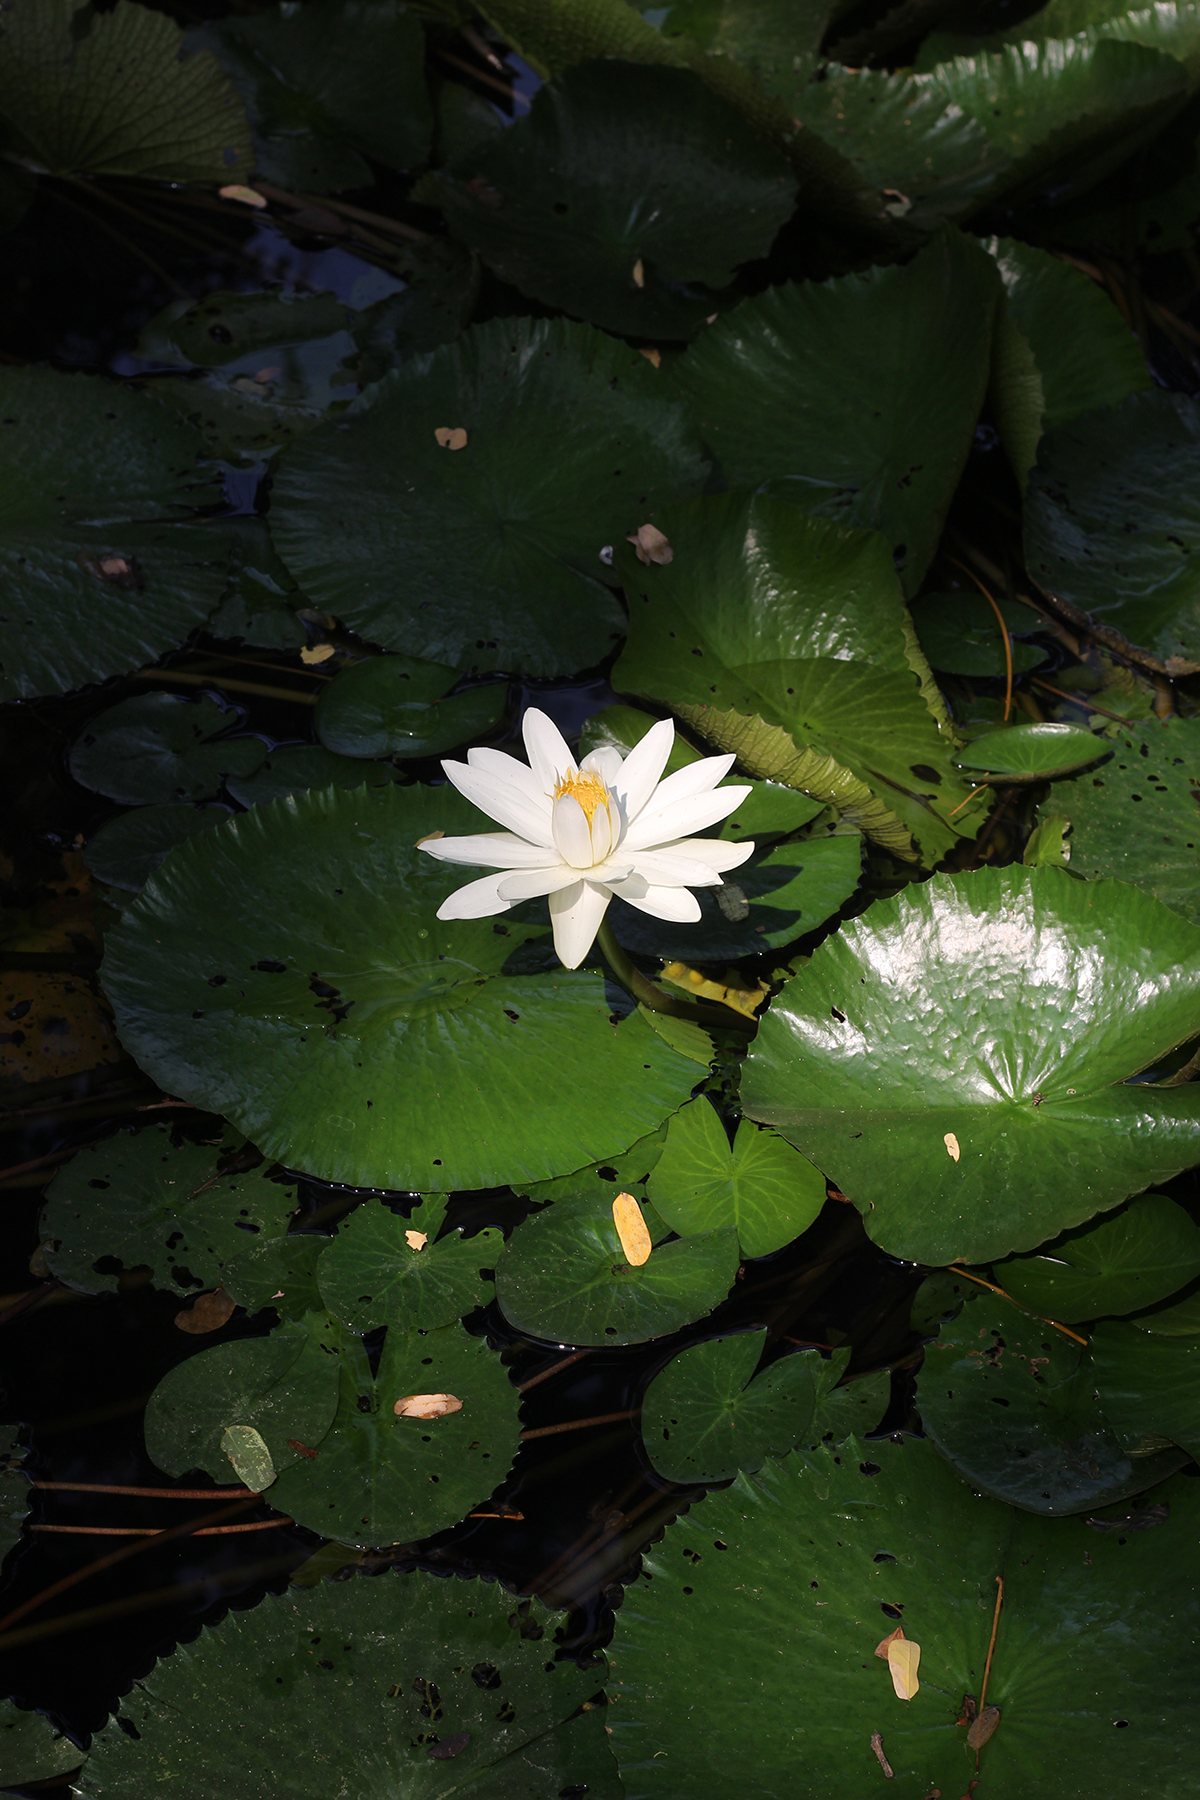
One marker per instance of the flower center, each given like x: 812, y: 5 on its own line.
x: 589, y: 790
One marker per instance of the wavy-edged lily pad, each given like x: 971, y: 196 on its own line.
x: 766, y: 1190
x: 800, y: 1570
x: 382, y: 1269
x: 564, y: 1276
x: 959, y: 634
x: 1112, y: 521
x: 1038, y: 752
x: 396, y: 706
x: 380, y: 1478
x: 103, y: 567
x: 125, y: 851
x: 137, y: 1201
x: 704, y: 1418
x: 420, y: 1688
x: 958, y: 1060
x: 157, y: 748
x: 570, y: 444
x: 859, y: 396
x: 1118, y: 1264
x: 1011, y: 1404
x: 627, y: 196
x: 31, y: 1749
x: 349, y: 1031
x: 294, y: 768
x: 1149, y: 1384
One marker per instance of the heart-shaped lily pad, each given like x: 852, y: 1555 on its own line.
x: 158, y: 748
x: 385, y: 1270
x: 958, y: 1059
x: 1119, y: 1264
x: 565, y: 1276
x: 1011, y: 1404
x: 395, y: 706
x: 800, y: 1570
x: 569, y: 444
x: 959, y: 633
x: 703, y: 1418
x: 766, y: 1190
x: 1031, y: 752
x: 125, y: 851
x: 327, y: 1011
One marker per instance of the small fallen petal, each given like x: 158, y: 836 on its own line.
x: 639, y: 274
x: 903, y: 1657
x: 318, y: 654
x: 451, y: 437
x: 951, y: 1143
x: 877, y: 1747
x: 606, y: 555
x: 416, y: 1240
x: 208, y: 1312
x: 983, y: 1727
x: 651, y: 545
x: 247, y: 195
x: 631, y: 1229
x: 653, y: 356
x: 426, y: 1406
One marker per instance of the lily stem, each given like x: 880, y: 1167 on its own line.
x: 648, y: 995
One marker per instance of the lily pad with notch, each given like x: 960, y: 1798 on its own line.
x: 960, y: 635
x: 382, y: 1269
x: 158, y: 748
x: 397, y: 706
x: 706, y: 1414
x: 1039, y: 752
x: 1118, y: 1264
x: 760, y: 1185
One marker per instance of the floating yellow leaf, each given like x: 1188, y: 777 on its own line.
x: 427, y: 1406
x: 651, y: 545
x: 631, y: 1229
x: 416, y: 1240
x: 653, y: 356
x: 318, y: 654
x: 451, y: 437
x: 247, y: 1451
x: 247, y: 195
x: 903, y: 1657
x: 982, y: 1728
x: 639, y: 274
x: 951, y: 1143
x: 734, y: 991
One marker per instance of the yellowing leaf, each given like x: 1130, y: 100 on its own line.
x: 247, y: 1451
x: 903, y: 1657
x: 650, y: 545
x: 951, y: 1143
x: 247, y: 195
x: 451, y: 437
x: 416, y: 1240
x: 730, y: 992
x: 631, y: 1229
x: 639, y: 274
x: 318, y: 654
x: 653, y: 356
x: 427, y: 1406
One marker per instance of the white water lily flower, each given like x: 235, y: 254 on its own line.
x: 584, y: 832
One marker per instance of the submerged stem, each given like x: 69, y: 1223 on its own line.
x: 647, y: 994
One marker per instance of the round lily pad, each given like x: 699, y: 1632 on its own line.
x: 760, y: 1185
x: 126, y: 851
x: 1149, y: 1384
x: 564, y: 1276
x: 294, y: 768
x: 157, y: 748
x: 1031, y: 752
x: 382, y: 1269
x: 380, y: 1478
x: 326, y: 1010
x: 1148, y: 1250
x: 798, y: 1572
x: 396, y: 706
x: 87, y: 599
x: 487, y: 554
x: 1012, y: 1405
x: 958, y: 1059
x: 703, y: 1418
x: 404, y: 1684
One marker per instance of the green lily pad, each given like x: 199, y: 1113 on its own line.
x: 421, y: 1688
x: 109, y: 93
x: 137, y: 1201
x: 783, y: 638
x: 958, y: 1059
x: 375, y: 1274
x: 1118, y: 1264
x: 852, y: 1409
x: 31, y: 1749
x: 1088, y: 1639
x: 761, y: 1186
x: 627, y: 196
x: 15, y: 1490
x: 1137, y: 818
x: 225, y: 326
x: 1039, y: 752
x: 394, y: 706
x: 959, y: 634
x: 857, y: 397
x: 98, y: 574
x: 350, y: 1032
x: 156, y: 748
x: 1048, y: 844
x: 703, y: 1418
x: 564, y: 1276
x: 294, y: 768
x: 380, y: 1479
x: 284, y: 1387
x: 570, y: 445
x: 628, y: 1172
x: 1179, y: 1319
x: 279, y: 1272
x: 1149, y: 1384
x: 1012, y: 1406
x: 1112, y: 517
x: 125, y: 852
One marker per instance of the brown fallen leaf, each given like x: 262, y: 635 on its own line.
x: 121, y: 571
x: 967, y: 1711
x: 416, y: 1240
x: 639, y: 274
x: 982, y: 1728
x: 319, y: 653
x: 451, y: 437
x: 247, y: 195
x: 426, y: 1406
x: 903, y: 1658
x: 653, y: 356
x: 651, y: 545
x: 208, y: 1312
x: 881, y: 1648
x: 877, y: 1747
x: 302, y: 1449
x: 631, y: 1229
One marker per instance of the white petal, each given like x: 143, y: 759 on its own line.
x: 491, y: 850
x: 519, y: 774
x: 602, y: 833
x: 576, y: 917
x: 478, y: 900
x: 714, y: 852
x: 665, y: 868
x: 642, y: 767
x: 547, y: 750
x: 504, y: 800
x: 604, y: 762
x: 677, y: 904
x: 664, y: 825
x: 572, y: 834
x: 530, y: 884
x: 694, y: 778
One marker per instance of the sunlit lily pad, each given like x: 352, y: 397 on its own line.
x: 395, y: 706
x: 125, y: 851
x: 158, y: 748
x: 1119, y: 1264
x: 704, y: 1418
x: 383, y: 1269
x: 1031, y: 752
x: 564, y: 1276
x: 958, y: 1060
x: 761, y: 1186
x: 326, y: 1011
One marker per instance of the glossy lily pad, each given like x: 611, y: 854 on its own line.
x: 1012, y: 1406
x: 1149, y: 1384
x: 958, y: 1059
x: 125, y: 851
x: 394, y: 706
x: 626, y: 1172
x: 570, y: 444
x: 382, y: 1269
x: 350, y: 1032
x: 1031, y: 752
x: 766, y: 1190
x: 158, y: 748
x: 1119, y: 1264
x: 804, y: 1567
x: 564, y: 1276
x: 294, y: 768
x: 704, y: 1418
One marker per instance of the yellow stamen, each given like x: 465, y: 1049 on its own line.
x: 589, y: 790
